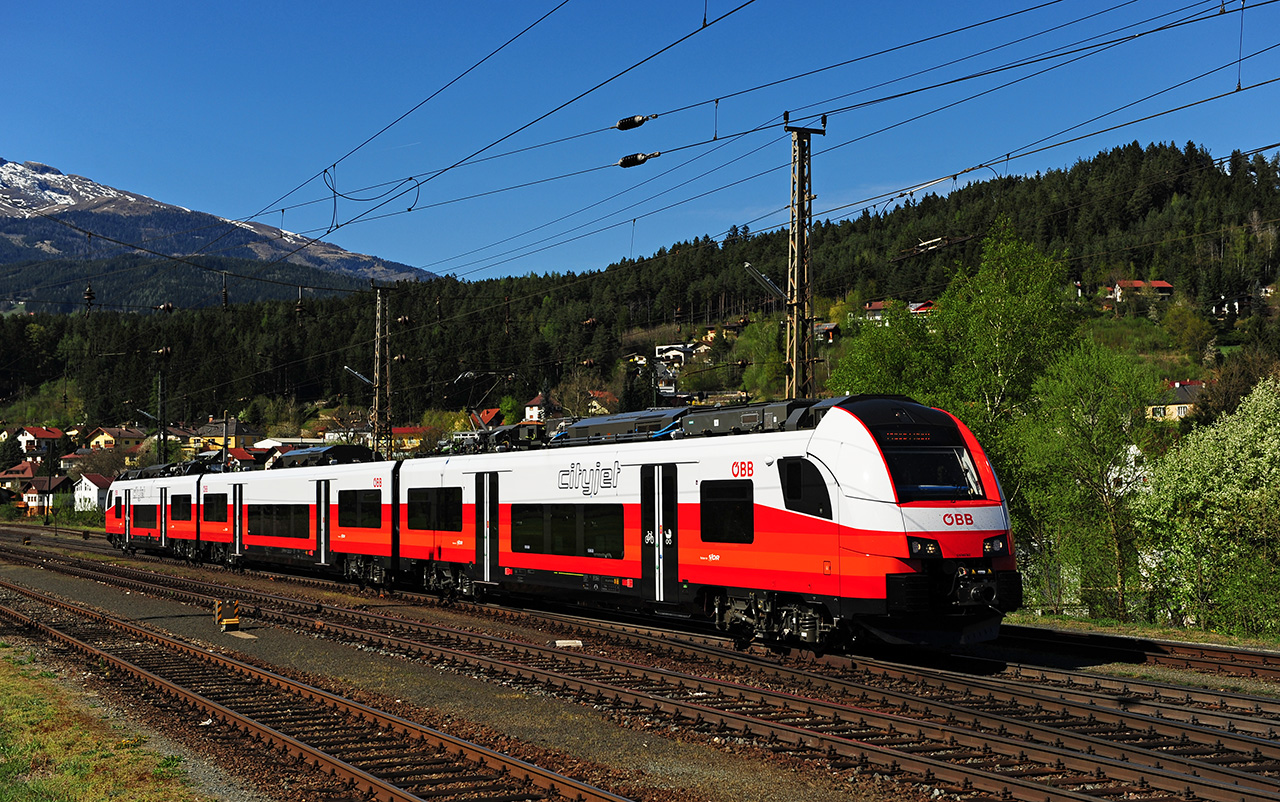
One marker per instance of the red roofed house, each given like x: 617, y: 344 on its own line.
x: 17, y: 476
x: 541, y: 409
x: 91, y: 492
x: 1163, y: 289
x: 486, y: 418
x: 35, y: 440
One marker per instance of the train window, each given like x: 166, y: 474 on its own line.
x: 728, y: 511
x: 360, y: 509
x: 119, y: 506
x: 568, y: 530
x: 803, y: 488
x: 927, y: 474
x: 602, y: 531
x: 438, y: 508
x: 528, y: 530
x: 145, y: 516
x: 279, y: 520
x: 215, y: 507
x: 180, y: 508
x: 562, y: 526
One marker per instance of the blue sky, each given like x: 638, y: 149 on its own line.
x: 237, y: 108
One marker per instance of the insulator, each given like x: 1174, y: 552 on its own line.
x: 637, y: 158
x: 165, y: 351
x: 165, y: 307
x: 627, y: 123
x: 403, y: 320
x: 89, y: 295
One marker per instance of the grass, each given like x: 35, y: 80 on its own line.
x: 53, y: 749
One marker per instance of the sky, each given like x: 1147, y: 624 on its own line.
x: 476, y: 140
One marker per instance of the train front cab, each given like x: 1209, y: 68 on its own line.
x: 926, y: 554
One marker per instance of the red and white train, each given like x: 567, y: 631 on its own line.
x: 807, y: 524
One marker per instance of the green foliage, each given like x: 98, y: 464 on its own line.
x: 1187, y: 328
x: 1212, y: 522
x: 901, y: 357
x: 10, y: 453
x: 1079, y: 450
x: 760, y: 345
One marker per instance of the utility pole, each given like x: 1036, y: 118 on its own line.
x: 381, y: 378
x: 799, y: 292
x: 378, y: 424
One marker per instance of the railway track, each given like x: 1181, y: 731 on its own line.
x: 972, y: 740
x: 377, y: 754
x: 1087, y: 648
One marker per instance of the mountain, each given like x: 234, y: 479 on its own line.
x: 32, y: 192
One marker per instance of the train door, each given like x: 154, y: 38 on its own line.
x: 237, y: 520
x: 487, y: 525
x: 128, y: 518
x: 659, y: 568
x: 162, y: 517
x: 323, y: 515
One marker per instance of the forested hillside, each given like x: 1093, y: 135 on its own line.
x: 1160, y: 212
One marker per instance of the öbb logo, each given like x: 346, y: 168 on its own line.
x: 957, y: 519
x: 743, y: 469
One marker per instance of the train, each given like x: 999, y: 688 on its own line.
x: 811, y: 524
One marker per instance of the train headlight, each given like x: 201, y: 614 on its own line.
x: 997, y: 546
x: 923, y: 547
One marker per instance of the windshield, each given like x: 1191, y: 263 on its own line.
x: 934, y: 474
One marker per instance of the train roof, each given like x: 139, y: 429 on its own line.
x: 792, y: 415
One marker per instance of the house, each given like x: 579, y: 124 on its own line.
x: 36, y: 441
x: 1178, y: 403
x: 248, y: 459
x: 225, y: 431
x: 410, y: 439
x: 1162, y: 289
x: 542, y: 409
x: 602, y: 402
x: 68, y: 461
x: 90, y: 492
x: 187, y: 438
x: 43, y: 495
x: 14, y: 478
x: 876, y: 310
x: 112, y: 437
x: 674, y: 354
x: 486, y: 418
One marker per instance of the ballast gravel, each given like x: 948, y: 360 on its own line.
x: 634, y: 757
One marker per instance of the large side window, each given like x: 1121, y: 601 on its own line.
x: 803, y: 489
x: 279, y: 520
x: 438, y: 508
x: 145, y: 516
x: 728, y: 511
x: 569, y: 530
x: 360, y: 509
x: 215, y: 507
x: 180, y: 508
